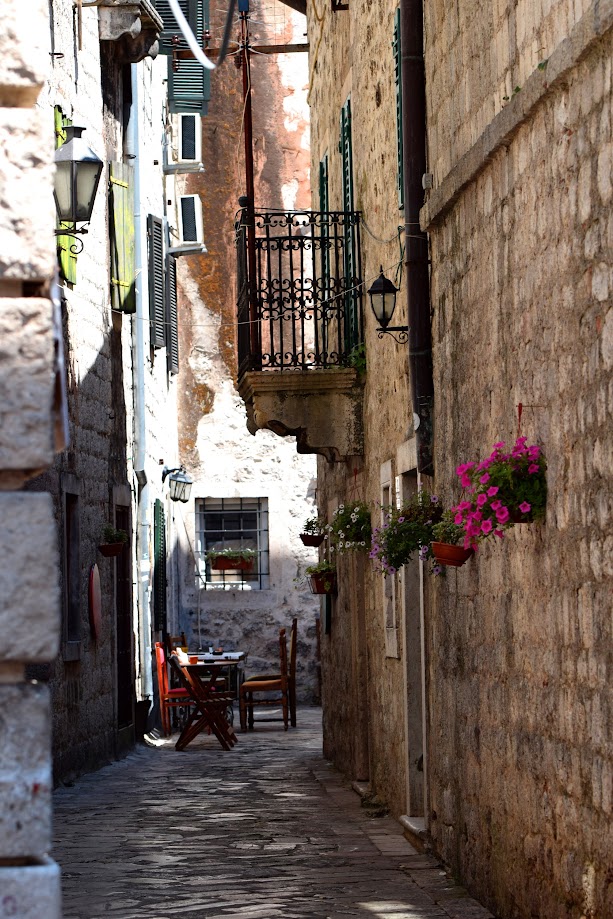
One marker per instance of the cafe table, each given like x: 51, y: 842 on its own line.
x: 201, y: 681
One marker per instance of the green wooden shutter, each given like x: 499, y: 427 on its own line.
x: 396, y: 45
x: 121, y: 228
x: 351, y: 299
x: 172, y: 324
x: 66, y: 258
x: 159, y: 567
x: 157, y: 299
x: 324, y: 207
x: 189, y: 86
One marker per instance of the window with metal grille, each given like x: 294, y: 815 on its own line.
x: 397, y: 49
x: 233, y: 523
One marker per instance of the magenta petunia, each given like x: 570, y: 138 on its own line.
x: 492, y: 490
x: 499, y: 534
x: 458, y: 519
x: 524, y: 507
x: 532, y: 468
x: 465, y: 481
x: 484, y: 478
x: 496, y: 504
x: 486, y: 526
x: 502, y: 515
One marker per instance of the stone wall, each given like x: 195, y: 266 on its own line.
x: 519, y: 707
x: 29, y: 617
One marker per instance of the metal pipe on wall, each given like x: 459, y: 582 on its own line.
x: 417, y: 277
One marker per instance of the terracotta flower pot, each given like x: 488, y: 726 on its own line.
x: 454, y: 556
x: 111, y: 549
x: 231, y: 563
x: 323, y: 583
x: 312, y: 539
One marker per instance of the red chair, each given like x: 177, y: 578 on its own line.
x: 169, y: 698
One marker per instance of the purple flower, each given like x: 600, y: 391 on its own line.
x: 434, y: 499
x: 533, y: 468
x: 436, y: 570
x: 401, y: 520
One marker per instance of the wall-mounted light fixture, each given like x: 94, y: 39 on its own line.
x: 77, y: 174
x: 179, y: 483
x: 382, y: 295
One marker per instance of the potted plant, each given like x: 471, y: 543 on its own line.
x: 447, y: 542
x: 322, y: 577
x: 231, y: 559
x: 112, y: 541
x: 350, y: 527
x: 313, y: 532
x: 505, y: 488
x: 404, y: 531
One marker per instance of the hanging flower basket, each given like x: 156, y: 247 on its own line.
x: 323, y: 582
x: 447, y: 554
x: 111, y: 549
x: 312, y: 539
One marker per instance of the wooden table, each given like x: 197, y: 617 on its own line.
x: 210, y: 705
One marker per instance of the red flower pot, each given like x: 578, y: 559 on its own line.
x: 231, y: 563
x: 312, y: 539
x: 323, y: 583
x: 111, y: 549
x: 454, y: 556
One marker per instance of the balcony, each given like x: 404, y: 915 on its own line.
x: 300, y: 324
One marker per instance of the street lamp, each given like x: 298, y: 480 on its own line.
x: 179, y: 483
x: 382, y: 295
x: 77, y: 174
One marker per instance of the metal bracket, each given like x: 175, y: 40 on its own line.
x: 401, y: 330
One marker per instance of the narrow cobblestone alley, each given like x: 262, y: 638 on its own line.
x: 266, y: 830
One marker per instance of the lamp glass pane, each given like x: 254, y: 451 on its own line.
x: 63, y: 191
x: 86, y: 185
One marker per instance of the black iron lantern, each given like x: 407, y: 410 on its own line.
x: 77, y: 174
x: 382, y: 295
x: 179, y: 483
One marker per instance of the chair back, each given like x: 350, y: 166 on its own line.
x: 160, y: 659
x: 283, y: 655
x: 293, y: 635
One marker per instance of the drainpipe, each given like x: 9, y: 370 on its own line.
x: 417, y: 282
x: 144, y: 677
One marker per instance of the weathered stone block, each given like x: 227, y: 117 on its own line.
x: 25, y: 772
x: 29, y: 590
x: 31, y: 891
x: 24, y: 51
x: 26, y: 383
x: 27, y: 218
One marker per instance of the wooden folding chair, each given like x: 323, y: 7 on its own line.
x: 210, y: 705
x: 169, y: 698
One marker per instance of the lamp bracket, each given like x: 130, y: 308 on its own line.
x: 402, y: 331
x: 75, y: 233
x: 167, y: 470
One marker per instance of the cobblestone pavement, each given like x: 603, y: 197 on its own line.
x: 268, y: 829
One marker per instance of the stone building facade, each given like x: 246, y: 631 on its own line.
x: 259, y: 476
x: 477, y: 705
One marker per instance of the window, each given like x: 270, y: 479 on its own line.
x: 189, y: 86
x: 233, y: 523
x: 397, y: 48
x: 157, y: 299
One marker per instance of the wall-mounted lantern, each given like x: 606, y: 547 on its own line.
x: 77, y: 174
x: 179, y: 483
x: 382, y: 295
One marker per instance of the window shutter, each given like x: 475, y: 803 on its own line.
x: 324, y: 207
x: 189, y: 86
x: 66, y: 258
x: 351, y: 335
x: 157, y: 305
x: 121, y: 225
x: 172, y: 347
x: 396, y: 45
x: 159, y: 567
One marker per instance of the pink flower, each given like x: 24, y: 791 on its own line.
x: 524, y: 507
x: 533, y: 468
x: 499, y: 445
x: 481, y: 500
x: 499, y: 534
x: 496, y: 504
x: 484, y: 478
x: 464, y: 467
x: 492, y: 490
x: 458, y: 519
x: 486, y: 526
x: 464, y: 481
x: 464, y: 506
x: 477, y: 516
x: 502, y: 515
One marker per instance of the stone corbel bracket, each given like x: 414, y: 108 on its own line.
x: 321, y: 408
x: 134, y: 25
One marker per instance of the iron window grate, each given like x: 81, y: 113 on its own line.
x: 233, y: 523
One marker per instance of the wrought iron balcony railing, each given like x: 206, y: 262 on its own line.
x: 299, y: 289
